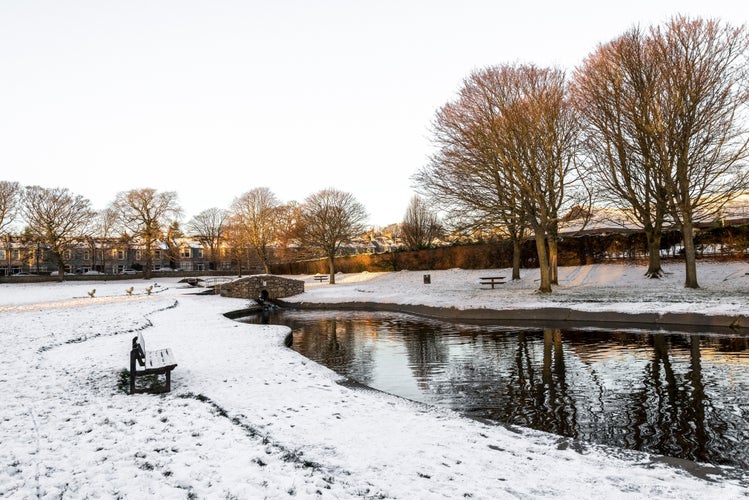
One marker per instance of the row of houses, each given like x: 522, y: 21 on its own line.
x: 100, y: 256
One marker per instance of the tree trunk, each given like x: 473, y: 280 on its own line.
x: 654, y: 254
x: 553, y: 260
x: 543, y: 263
x: 60, y: 267
x: 690, y: 255
x: 149, y: 260
x: 515, y: 259
x: 331, y: 269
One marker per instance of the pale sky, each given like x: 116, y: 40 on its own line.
x: 214, y: 98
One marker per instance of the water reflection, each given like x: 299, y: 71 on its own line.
x: 681, y: 395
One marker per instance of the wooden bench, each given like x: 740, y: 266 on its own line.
x: 321, y: 277
x: 492, y: 280
x: 153, y: 363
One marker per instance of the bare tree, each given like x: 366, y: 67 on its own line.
x: 56, y: 217
x: 663, y: 134
x: 235, y: 237
x: 106, y: 226
x: 614, y: 92
x: 703, y: 140
x: 171, y: 238
x: 146, y: 213
x: 506, y: 157
x: 287, y: 227
x: 256, y: 213
x: 466, y: 178
x: 10, y: 205
x: 539, y: 148
x: 420, y: 226
x: 328, y: 219
x: 209, y: 227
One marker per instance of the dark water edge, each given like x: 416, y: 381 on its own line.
x: 682, y: 395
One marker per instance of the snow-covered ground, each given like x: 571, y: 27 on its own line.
x: 249, y: 418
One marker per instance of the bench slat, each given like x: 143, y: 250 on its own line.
x: 160, y: 358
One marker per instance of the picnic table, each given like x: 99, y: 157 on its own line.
x: 492, y: 280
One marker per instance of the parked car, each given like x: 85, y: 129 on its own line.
x: 23, y: 273
x: 129, y: 271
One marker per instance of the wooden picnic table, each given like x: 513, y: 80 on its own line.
x: 492, y: 280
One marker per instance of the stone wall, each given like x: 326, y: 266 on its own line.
x: 252, y: 287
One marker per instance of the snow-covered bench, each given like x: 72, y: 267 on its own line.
x: 153, y: 363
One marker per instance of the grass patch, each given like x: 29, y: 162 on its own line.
x: 147, y: 383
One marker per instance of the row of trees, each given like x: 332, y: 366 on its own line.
x: 256, y: 220
x: 653, y: 121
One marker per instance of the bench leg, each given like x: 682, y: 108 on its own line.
x: 132, y: 374
x: 168, y: 380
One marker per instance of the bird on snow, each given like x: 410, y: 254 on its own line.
x: 148, y: 290
x: 129, y: 291
x: 91, y: 293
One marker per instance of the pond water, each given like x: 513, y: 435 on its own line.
x: 677, y: 394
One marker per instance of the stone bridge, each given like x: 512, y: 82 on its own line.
x: 252, y: 287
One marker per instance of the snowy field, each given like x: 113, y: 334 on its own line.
x: 248, y: 418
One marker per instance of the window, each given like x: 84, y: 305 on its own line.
x: 118, y: 254
x: 2, y: 254
x: 185, y: 253
x: 86, y: 255
x: 199, y: 253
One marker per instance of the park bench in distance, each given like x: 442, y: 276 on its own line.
x: 321, y: 277
x: 153, y: 362
x: 493, y: 280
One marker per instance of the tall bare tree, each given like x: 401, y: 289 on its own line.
x: 420, y: 226
x: 465, y: 178
x: 256, y: 212
x: 506, y: 156
x: 328, y: 219
x: 209, y: 227
x: 614, y: 92
x: 146, y: 213
x: 667, y: 130
x: 56, y: 217
x: 704, y: 139
x: 540, y: 145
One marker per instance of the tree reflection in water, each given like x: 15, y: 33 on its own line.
x: 680, y: 395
